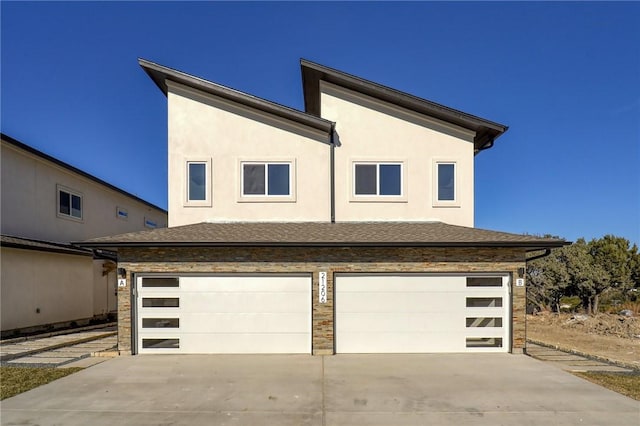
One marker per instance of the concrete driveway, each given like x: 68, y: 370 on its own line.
x: 433, y: 389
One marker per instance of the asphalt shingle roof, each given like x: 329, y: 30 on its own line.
x: 434, y: 234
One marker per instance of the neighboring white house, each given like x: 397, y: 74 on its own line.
x: 47, y: 282
x: 346, y: 228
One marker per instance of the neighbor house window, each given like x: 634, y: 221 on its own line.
x: 377, y: 179
x: 446, y: 181
x: 270, y: 179
x: 198, y: 179
x: 69, y: 203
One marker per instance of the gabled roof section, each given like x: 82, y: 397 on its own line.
x: 160, y: 74
x: 312, y: 73
x: 322, y: 234
x: 11, y: 141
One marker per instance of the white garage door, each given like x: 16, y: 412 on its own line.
x: 421, y: 313
x: 224, y: 314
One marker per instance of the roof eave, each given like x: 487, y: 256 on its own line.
x: 177, y: 244
x: 160, y: 74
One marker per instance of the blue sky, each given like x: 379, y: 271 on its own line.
x: 565, y: 77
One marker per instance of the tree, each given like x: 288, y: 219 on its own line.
x: 588, y: 279
x: 615, y: 256
x: 547, y: 280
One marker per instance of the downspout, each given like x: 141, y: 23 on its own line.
x: 546, y: 253
x: 332, y: 173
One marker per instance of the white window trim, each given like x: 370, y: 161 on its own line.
x: 123, y: 210
x: 456, y: 181
x: 402, y: 198
x: 207, y: 178
x: 258, y: 198
x: 72, y: 192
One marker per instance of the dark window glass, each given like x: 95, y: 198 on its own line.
x: 366, y: 179
x: 253, y: 176
x: 484, y: 302
x: 65, y: 203
x: 278, y: 179
x: 76, y: 206
x: 484, y: 282
x: 161, y: 343
x: 390, y: 179
x: 160, y: 322
x: 484, y: 322
x: 197, y: 181
x: 160, y: 302
x: 160, y: 282
x: 484, y: 342
x: 446, y: 182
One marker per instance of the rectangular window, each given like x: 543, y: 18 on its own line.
x: 378, y: 179
x: 160, y: 322
x: 160, y: 302
x: 446, y: 181
x: 484, y: 282
x: 161, y: 343
x: 197, y: 181
x: 266, y: 179
x: 484, y: 322
x: 484, y: 342
x: 484, y: 302
x: 160, y: 282
x: 69, y: 203
x: 122, y: 213
x: 197, y: 186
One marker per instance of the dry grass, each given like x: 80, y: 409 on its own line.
x: 15, y: 380
x: 625, y: 384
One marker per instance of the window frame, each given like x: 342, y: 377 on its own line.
x: 377, y: 197
x: 72, y: 193
x: 436, y: 202
x: 208, y: 190
x: 266, y: 197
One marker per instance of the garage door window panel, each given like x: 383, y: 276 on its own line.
x: 484, y: 342
x: 160, y: 302
x: 484, y: 302
x: 161, y: 343
x: 160, y: 282
x: 160, y: 322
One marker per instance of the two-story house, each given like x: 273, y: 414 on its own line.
x: 46, y: 282
x: 346, y: 228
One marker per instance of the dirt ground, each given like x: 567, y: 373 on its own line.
x: 614, y: 337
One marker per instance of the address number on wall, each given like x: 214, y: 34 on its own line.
x: 122, y: 282
x: 322, y: 287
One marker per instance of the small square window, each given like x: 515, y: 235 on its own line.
x: 266, y: 179
x: 378, y: 179
x: 69, y: 203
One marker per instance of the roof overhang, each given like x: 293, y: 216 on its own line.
x: 160, y: 74
x: 486, y: 131
x: 321, y: 234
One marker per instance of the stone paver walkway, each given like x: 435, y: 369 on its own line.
x: 66, y: 350
x: 573, y: 362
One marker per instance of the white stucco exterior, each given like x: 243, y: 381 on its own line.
x: 370, y: 130
x: 44, y: 288
x: 30, y: 205
x: 205, y: 128
x: 63, y: 287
